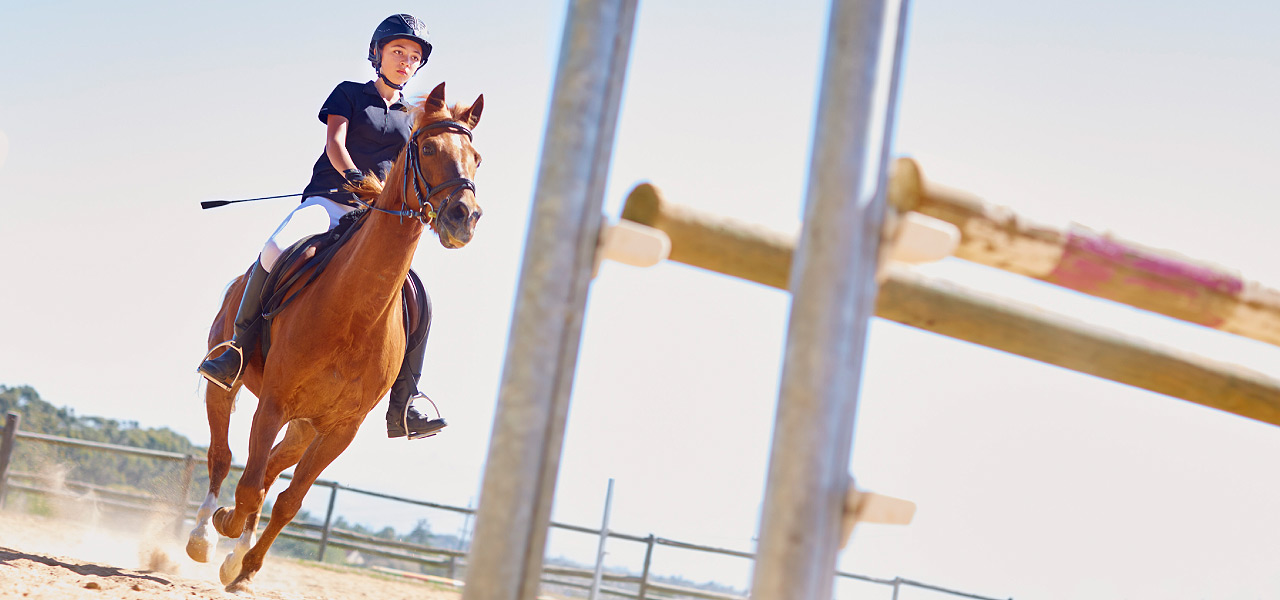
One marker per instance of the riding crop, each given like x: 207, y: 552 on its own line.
x: 216, y: 203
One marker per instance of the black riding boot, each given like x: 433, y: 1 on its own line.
x: 225, y: 370
x: 402, y: 417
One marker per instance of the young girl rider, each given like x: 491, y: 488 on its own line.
x: 368, y: 124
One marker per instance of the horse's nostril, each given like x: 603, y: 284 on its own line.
x: 458, y: 213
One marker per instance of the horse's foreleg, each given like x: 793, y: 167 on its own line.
x: 251, y: 490
x: 218, y: 405
x: 322, y: 451
x: 285, y: 454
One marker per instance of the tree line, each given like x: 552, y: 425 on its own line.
x: 108, y: 469
x: 143, y: 474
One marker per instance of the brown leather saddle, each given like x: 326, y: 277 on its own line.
x: 303, y: 262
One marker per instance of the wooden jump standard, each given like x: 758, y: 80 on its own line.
x: 762, y: 255
x: 1096, y: 264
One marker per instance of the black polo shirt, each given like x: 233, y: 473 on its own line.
x: 375, y: 135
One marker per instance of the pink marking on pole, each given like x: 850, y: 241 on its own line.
x: 1090, y: 263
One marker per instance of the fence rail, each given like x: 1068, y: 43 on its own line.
x: 65, y: 441
x: 182, y: 508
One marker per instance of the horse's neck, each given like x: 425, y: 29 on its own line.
x: 381, y: 253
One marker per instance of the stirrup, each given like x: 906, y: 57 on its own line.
x: 404, y: 418
x: 231, y: 343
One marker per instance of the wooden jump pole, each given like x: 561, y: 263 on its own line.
x: 762, y: 255
x: 1101, y: 265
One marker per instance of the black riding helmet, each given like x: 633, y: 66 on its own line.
x: 398, y: 27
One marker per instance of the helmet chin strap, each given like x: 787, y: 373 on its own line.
x: 377, y: 66
x: 389, y: 82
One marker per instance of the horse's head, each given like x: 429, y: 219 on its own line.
x: 442, y: 161
x: 433, y: 177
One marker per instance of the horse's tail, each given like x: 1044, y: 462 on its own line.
x: 227, y: 290
x: 223, y: 326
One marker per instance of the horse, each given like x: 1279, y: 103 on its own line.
x: 336, y: 350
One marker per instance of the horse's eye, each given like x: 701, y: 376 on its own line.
x: 428, y: 150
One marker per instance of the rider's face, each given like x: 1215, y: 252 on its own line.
x: 400, y: 60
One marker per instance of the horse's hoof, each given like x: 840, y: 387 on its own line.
x: 201, y: 542
x: 197, y: 548
x: 230, y: 569
x: 219, y: 521
x: 241, y: 587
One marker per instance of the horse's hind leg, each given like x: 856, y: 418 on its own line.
x: 297, y: 437
x: 232, y: 564
x: 218, y: 404
x: 322, y: 451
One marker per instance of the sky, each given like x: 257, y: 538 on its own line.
x: 1155, y: 121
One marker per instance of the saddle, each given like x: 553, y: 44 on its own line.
x: 303, y: 262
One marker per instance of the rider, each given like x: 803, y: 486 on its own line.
x: 368, y: 124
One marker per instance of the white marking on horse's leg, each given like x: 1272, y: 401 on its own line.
x: 203, y: 537
x: 231, y: 565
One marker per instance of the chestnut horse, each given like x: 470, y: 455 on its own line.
x: 337, y: 349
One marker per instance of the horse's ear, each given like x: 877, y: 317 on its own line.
x: 472, y: 115
x: 436, y: 98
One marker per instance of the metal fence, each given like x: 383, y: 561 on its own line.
x: 179, y: 506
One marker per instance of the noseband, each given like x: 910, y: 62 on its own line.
x: 425, y: 213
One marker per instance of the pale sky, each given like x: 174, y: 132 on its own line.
x: 1154, y: 120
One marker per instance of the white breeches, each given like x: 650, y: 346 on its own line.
x: 316, y: 214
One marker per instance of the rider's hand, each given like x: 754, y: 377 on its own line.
x: 353, y: 176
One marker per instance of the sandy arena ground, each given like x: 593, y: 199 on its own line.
x: 48, y: 559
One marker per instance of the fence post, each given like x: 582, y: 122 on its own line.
x: 188, y: 474
x: 11, y: 422
x: 604, y: 537
x: 897, y: 582
x: 644, y: 573
x: 328, y: 520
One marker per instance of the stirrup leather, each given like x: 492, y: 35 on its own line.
x: 231, y: 343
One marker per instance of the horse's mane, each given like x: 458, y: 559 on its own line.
x: 370, y: 188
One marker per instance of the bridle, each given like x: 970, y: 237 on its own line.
x: 425, y: 213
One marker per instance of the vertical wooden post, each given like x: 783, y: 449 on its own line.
x: 11, y: 422
x: 644, y: 573
x: 188, y: 474
x: 328, y: 520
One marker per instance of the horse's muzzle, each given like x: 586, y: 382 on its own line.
x: 457, y: 224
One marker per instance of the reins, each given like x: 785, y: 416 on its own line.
x: 314, y: 266
x: 425, y: 213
